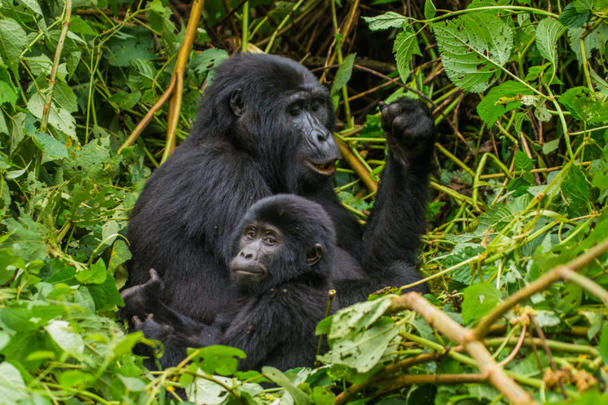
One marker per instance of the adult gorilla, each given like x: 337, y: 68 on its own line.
x: 265, y: 127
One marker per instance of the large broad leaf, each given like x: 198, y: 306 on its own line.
x: 364, y: 351
x: 473, y: 49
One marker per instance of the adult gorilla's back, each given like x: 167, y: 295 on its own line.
x: 264, y: 127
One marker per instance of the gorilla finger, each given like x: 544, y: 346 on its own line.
x: 136, y: 321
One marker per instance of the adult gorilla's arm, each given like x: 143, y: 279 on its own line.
x: 392, y: 235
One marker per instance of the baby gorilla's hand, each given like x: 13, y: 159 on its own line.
x: 142, y: 299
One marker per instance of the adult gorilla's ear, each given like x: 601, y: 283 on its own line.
x: 236, y: 103
x: 314, y: 255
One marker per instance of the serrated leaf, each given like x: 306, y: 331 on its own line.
x: 51, y: 147
x: 404, y: 47
x: 548, y: 32
x: 583, y: 106
x: 13, y: 41
x: 32, y: 5
x: 385, y: 21
x: 594, y: 40
x: 59, y: 118
x: 572, y: 17
x: 473, y: 49
x: 362, y: 352
x: 350, y: 320
x: 479, y: 299
x: 65, y: 97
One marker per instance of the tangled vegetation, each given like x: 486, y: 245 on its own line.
x: 515, y: 252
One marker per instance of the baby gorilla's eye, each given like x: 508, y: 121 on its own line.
x: 270, y: 239
x: 250, y: 232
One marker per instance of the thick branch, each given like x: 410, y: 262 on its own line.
x: 442, y: 322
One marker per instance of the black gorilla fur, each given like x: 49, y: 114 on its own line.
x: 272, y: 319
x: 264, y: 128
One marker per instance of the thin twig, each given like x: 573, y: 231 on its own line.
x: 53, y: 78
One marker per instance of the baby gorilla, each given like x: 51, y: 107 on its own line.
x: 284, y: 250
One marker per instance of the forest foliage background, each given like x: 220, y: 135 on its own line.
x: 519, y: 94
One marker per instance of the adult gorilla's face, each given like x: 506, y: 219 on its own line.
x: 309, y: 114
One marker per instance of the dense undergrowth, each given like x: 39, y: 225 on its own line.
x: 519, y: 93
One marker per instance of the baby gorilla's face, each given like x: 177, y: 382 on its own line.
x: 260, y: 242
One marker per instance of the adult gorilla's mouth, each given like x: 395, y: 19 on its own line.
x: 326, y: 169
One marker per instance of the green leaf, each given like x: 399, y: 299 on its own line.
x: 583, y: 105
x: 350, y: 320
x: 80, y: 26
x: 479, y: 299
x: 27, y: 238
x: 59, y: 118
x: 8, y: 94
x: 603, y: 346
x: 12, y: 387
x: 63, y: 334
x: 429, y: 9
x: 51, y: 147
x: 500, y: 100
x: 386, y: 21
x: 473, y: 48
x: 120, y: 254
x: 13, y: 41
x: 362, y: 352
x: 299, y: 396
x: 65, y: 97
x: 32, y: 5
x: 575, y: 191
x: 105, y: 295
x: 572, y: 17
x: 594, y: 41
x: 404, y: 47
x: 548, y: 32
x: 96, y: 274
x: 218, y: 359
x: 342, y: 77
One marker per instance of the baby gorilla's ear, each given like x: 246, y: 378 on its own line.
x: 236, y: 103
x: 314, y: 255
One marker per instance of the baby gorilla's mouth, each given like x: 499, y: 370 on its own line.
x: 327, y: 168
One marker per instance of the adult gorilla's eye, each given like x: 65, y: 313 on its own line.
x: 294, y: 110
x: 315, y: 106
